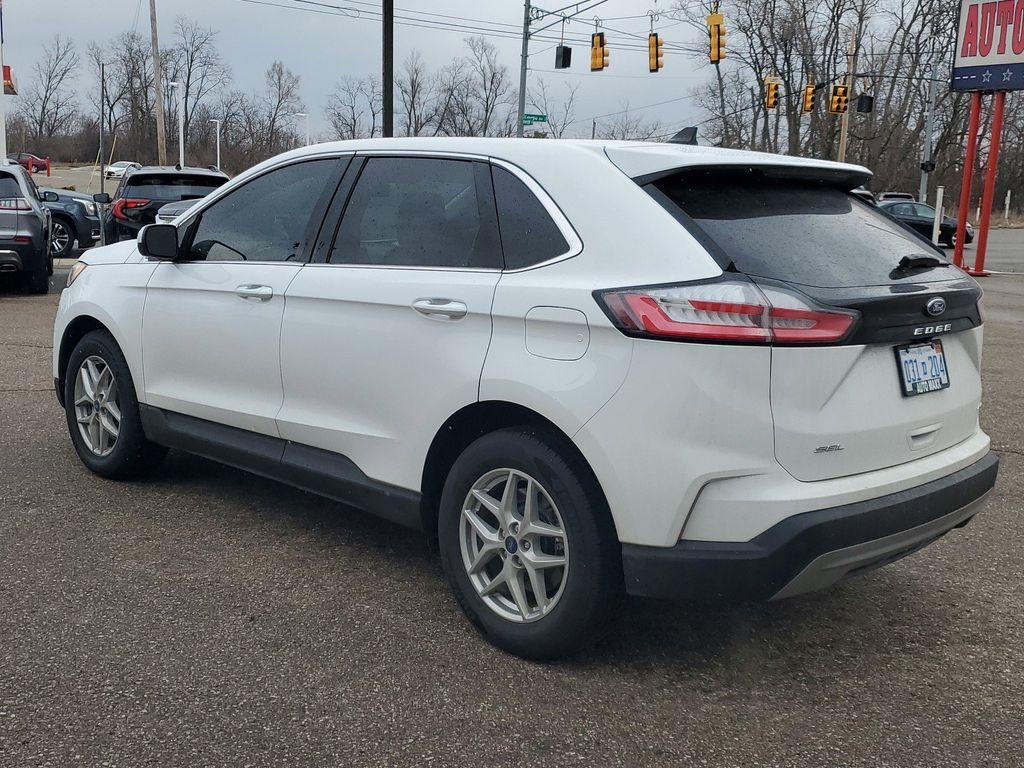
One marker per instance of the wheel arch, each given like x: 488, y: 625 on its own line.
x: 74, y: 332
x: 473, y: 421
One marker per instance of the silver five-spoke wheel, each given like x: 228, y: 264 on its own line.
x: 97, y: 408
x: 513, y: 544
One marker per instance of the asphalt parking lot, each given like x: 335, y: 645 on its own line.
x: 210, y: 617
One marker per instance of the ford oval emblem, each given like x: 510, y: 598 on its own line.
x: 935, y: 306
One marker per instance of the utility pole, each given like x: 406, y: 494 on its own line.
x: 388, y: 78
x: 929, y: 130
x: 851, y: 67
x: 158, y: 86
x: 103, y: 111
x: 216, y: 122
x: 522, y: 67
x: 180, y: 103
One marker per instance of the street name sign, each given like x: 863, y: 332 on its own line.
x: 989, y: 46
x: 529, y: 119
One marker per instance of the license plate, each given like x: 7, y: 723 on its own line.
x: 922, y: 368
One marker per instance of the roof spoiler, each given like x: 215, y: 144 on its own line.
x: 842, y: 178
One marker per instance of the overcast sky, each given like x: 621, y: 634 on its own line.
x: 322, y: 47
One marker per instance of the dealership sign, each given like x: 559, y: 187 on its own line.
x: 990, y: 46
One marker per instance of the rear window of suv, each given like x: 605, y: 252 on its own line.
x: 798, y: 231
x: 9, y: 187
x: 171, y: 188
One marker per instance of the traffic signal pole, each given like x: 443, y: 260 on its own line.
x: 929, y: 130
x: 851, y: 67
x: 522, y: 67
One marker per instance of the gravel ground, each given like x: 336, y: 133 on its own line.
x: 210, y: 617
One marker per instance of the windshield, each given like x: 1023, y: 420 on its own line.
x: 798, y: 231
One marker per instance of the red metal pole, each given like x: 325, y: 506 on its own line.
x: 47, y: 165
x: 968, y: 178
x: 990, y: 185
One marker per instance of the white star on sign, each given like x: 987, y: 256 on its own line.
x: 1007, y: 74
x: 986, y: 77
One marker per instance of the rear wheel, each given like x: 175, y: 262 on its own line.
x: 527, y: 543
x: 103, y: 413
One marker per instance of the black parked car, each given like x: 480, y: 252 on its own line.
x: 921, y: 217
x: 74, y: 218
x: 143, y: 191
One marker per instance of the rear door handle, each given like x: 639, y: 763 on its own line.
x: 255, y: 292
x: 438, y: 308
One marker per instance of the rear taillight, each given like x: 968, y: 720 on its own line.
x: 14, y: 204
x: 118, y: 211
x: 728, y: 311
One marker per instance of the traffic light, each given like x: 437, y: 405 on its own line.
x: 865, y: 103
x: 598, y: 52
x: 655, y: 52
x: 716, y: 33
x: 771, y: 93
x: 840, y: 101
x: 810, y: 96
x: 563, y: 57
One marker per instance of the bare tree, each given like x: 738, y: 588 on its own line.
x: 627, y: 125
x: 280, y: 103
x: 196, y: 63
x: 48, y: 103
x: 417, y: 91
x: 476, y: 94
x: 354, y: 108
x: 561, y: 115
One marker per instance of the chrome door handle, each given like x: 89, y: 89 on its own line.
x: 254, y: 292
x: 453, y: 310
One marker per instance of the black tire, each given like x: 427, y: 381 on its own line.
x: 37, y: 282
x: 593, y: 584
x: 132, y: 455
x: 68, y: 228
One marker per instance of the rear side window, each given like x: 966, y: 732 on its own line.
x: 9, y: 187
x: 170, y: 188
x: 798, y: 231
x: 528, y: 235
x: 418, y: 212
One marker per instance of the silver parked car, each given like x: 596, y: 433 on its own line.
x: 25, y: 229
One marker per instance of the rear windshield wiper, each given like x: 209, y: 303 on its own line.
x: 908, y: 263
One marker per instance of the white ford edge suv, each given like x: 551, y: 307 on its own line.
x: 586, y: 368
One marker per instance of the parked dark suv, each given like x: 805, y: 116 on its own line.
x: 143, y: 191
x: 24, y: 229
x: 74, y: 218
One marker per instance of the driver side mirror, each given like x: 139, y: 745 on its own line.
x: 159, y: 241
x: 101, y: 197
x: 49, y: 197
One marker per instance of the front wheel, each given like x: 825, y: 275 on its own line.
x: 527, y: 543
x: 62, y: 239
x: 103, y: 413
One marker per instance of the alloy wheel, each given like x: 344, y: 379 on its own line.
x: 514, y: 545
x: 97, y: 405
x: 60, y: 237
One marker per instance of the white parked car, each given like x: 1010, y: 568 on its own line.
x: 119, y: 169
x: 586, y: 368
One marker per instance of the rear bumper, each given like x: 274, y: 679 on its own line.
x: 812, y: 550
x: 21, y: 257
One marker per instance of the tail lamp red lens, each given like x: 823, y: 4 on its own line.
x: 14, y: 204
x: 725, y: 311
x: 120, y: 206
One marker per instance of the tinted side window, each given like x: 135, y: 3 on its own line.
x: 417, y: 212
x: 265, y: 219
x: 528, y: 235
